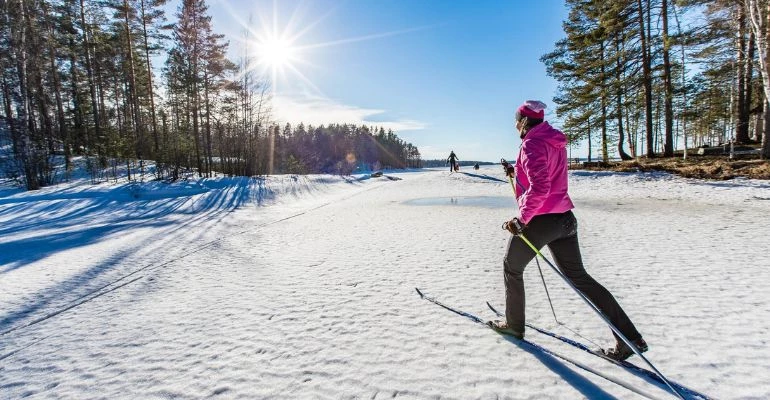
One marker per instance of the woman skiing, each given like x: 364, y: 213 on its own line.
x: 452, y: 160
x: 545, y: 218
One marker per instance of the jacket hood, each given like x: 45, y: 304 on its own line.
x: 545, y: 132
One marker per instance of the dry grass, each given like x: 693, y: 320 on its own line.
x: 703, y: 167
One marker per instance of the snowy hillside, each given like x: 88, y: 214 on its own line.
x: 295, y: 287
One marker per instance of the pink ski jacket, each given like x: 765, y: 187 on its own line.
x: 541, y: 173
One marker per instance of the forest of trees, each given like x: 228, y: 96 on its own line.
x: 637, y: 78
x: 77, y: 80
x: 643, y: 77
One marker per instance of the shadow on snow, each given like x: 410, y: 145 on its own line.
x: 580, y: 383
x: 51, y: 223
x: 487, y: 177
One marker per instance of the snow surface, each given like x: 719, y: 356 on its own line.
x: 302, y: 287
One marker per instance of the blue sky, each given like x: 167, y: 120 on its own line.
x: 444, y: 74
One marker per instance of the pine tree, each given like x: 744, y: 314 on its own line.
x: 195, y: 48
x: 582, y: 75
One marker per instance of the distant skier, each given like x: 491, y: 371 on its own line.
x: 545, y: 218
x: 452, y: 160
x: 476, y: 166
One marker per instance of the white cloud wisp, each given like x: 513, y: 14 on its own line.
x: 319, y: 110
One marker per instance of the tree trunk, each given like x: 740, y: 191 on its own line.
x: 759, y: 126
x: 149, y: 78
x: 588, y: 123
x: 619, y: 98
x: 759, y: 16
x: 196, y: 130
x: 741, y: 99
x: 57, y: 89
x: 668, y: 148
x: 603, y: 100
x: 208, y: 150
x: 743, y: 134
x: 646, y: 81
x: 765, y: 153
x: 22, y: 143
x: 44, y: 141
x: 90, y: 75
x: 682, y: 114
x: 134, y: 107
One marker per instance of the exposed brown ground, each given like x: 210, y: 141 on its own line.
x: 703, y: 167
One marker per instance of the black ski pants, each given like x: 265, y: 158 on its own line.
x: 559, y: 233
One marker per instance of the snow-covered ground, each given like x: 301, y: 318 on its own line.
x: 303, y: 288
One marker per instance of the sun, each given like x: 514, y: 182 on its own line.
x: 280, y: 50
x: 277, y: 56
x: 276, y: 52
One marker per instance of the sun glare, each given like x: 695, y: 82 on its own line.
x: 276, y: 53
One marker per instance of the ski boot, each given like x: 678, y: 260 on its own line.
x: 502, y: 327
x: 622, y: 351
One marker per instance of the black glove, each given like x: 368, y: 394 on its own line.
x: 509, y: 170
x: 514, y: 226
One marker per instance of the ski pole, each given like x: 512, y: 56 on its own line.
x: 546, y: 292
x: 601, y: 315
x: 513, y: 188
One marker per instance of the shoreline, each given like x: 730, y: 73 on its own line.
x: 701, y: 167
